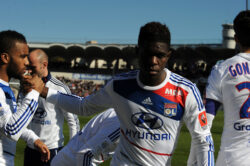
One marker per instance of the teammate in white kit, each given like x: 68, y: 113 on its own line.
x: 94, y: 144
x: 13, y: 120
x: 47, y: 123
x: 229, y: 84
x: 151, y: 105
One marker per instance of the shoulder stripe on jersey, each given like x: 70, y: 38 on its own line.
x: 181, y: 80
x: 189, y: 84
x: 13, y: 129
x: 87, y: 158
x: 139, y: 147
x: 114, y: 135
x: 72, y: 95
x: 59, y: 83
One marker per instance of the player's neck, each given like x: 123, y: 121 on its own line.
x: 3, y: 75
x: 46, y: 73
x: 153, y: 80
x: 245, y: 49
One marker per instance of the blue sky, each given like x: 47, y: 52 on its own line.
x: 117, y: 21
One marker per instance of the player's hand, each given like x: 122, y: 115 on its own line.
x: 44, y: 92
x: 43, y: 149
x: 32, y: 82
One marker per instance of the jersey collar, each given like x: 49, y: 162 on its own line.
x: 245, y: 55
x: 47, y: 78
x: 146, y: 87
x: 4, y: 82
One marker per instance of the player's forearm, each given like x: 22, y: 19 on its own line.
x: 74, y: 104
x: 44, y: 92
x: 68, y: 103
x: 29, y: 137
x: 204, y: 149
x: 13, y: 126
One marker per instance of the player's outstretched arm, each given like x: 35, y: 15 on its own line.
x: 85, y: 106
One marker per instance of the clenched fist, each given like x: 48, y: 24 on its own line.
x: 30, y: 82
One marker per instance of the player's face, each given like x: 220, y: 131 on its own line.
x: 18, y: 60
x: 35, y: 64
x: 153, y: 58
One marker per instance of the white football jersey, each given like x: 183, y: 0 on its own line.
x: 13, y: 120
x: 150, y: 117
x: 229, y: 84
x: 95, y: 143
x: 47, y: 123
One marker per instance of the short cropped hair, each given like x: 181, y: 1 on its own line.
x: 8, y: 39
x: 242, y: 28
x: 154, y: 31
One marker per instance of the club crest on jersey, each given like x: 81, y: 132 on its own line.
x: 203, y: 119
x: 170, y: 109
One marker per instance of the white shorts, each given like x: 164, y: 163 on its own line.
x: 94, y: 144
x: 99, y: 144
x: 65, y: 157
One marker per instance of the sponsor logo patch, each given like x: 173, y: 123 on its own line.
x: 203, y: 119
x: 173, y: 92
x: 170, y: 109
x: 147, y: 120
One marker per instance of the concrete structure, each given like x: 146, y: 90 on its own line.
x: 228, y: 36
x: 109, y: 59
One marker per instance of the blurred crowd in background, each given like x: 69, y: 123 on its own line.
x: 81, y: 87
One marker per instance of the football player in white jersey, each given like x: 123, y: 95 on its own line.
x: 13, y: 120
x: 47, y: 123
x: 151, y: 105
x: 94, y: 144
x: 229, y: 84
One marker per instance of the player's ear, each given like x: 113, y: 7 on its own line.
x: 169, y: 52
x: 45, y: 64
x: 5, y: 58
